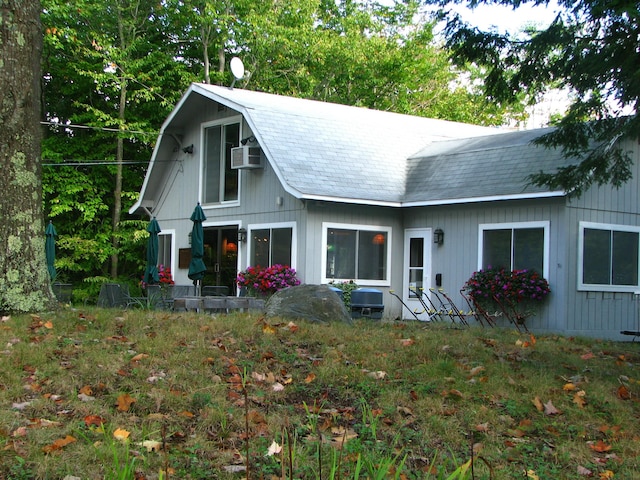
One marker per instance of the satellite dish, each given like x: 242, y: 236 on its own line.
x: 237, y: 69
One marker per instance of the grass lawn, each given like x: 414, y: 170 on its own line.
x: 95, y: 394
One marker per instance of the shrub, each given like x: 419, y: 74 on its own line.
x: 266, y: 281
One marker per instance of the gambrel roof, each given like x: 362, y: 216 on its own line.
x: 326, y: 151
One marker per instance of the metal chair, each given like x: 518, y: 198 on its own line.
x: 116, y: 295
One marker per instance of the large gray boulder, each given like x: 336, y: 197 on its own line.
x: 316, y: 303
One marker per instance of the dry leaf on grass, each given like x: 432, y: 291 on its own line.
x: 58, y: 444
x: 124, y: 402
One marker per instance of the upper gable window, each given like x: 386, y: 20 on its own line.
x: 219, y: 181
x: 515, y: 246
x: 608, y: 257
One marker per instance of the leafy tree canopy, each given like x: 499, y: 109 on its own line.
x: 591, y: 49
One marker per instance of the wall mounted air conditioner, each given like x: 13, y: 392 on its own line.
x: 246, y: 157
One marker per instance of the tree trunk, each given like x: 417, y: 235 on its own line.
x: 24, y: 278
x: 117, y: 193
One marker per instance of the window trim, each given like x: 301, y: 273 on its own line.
x: 357, y: 227
x: 203, y: 126
x: 261, y: 226
x: 172, y: 233
x: 544, y: 224
x: 610, y: 227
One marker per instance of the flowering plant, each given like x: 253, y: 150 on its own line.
x: 266, y: 281
x: 517, y: 286
x: 164, y: 277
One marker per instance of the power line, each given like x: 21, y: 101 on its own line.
x: 89, y: 127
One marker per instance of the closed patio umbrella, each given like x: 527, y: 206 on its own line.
x: 197, y: 268
x: 50, y: 249
x: 151, y: 271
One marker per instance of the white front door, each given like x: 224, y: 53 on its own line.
x: 417, y: 271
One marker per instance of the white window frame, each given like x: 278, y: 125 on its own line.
x: 545, y: 225
x: 262, y: 226
x: 356, y: 227
x: 172, y: 247
x: 224, y: 121
x: 610, y: 228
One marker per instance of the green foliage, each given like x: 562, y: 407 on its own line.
x: 590, y: 50
x: 346, y: 287
x: 113, y: 70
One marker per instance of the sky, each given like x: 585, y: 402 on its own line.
x: 506, y: 18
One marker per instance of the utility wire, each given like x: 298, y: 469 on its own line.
x: 103, y: 129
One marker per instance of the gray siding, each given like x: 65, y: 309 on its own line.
x: 602, y: 314
x: 457, y: 257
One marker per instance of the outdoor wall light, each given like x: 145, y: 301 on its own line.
x: 188, y: 149
x: 438, y: 236
x: 242, y: 235
x: 250, y: 139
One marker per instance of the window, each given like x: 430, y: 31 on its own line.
x: 515, y: 246
x: 608, y: 257
x: 359, y: 253
x: 271, y: 245
x: 220, y: 182
x: 164, y: 249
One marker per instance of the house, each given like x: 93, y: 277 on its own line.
x: 347, y: 193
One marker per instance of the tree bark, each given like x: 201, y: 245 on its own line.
x: 24, y: 279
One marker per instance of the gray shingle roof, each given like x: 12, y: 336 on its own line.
x: 335, y: 152
x: 480, y: 168
x: 325, y: 150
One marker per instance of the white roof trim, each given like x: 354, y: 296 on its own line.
x: 492, y: 198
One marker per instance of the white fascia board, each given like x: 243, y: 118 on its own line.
x: 491, y: 198
x: 164, y: 126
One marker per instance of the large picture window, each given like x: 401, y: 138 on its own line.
x: 515, y: 246
x: 219, y: 180
x: 608, y: 257
x: 359, y: 253
x: 271, y: 245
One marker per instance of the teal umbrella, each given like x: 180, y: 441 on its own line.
x: 151, y: 271
x: 197, y: 268
x: 50, y: 249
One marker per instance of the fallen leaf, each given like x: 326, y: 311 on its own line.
x: 124, y: 402
x: 532, y: 474
x: 310, y: 378
x: 140, y: 356
x: 606, y: 474
x: 121, y: 434
x: 277, y: 387
x: 48, y: 325
x: 599, y: 446
x: 406, y: 342
x: 538, y: 404
x: 93, y: 420
x: 266, y: 328
x: 549, y: 409
x: 58, y: 444
x: 587, y: 356
x: 579, y: 399
x: 274, y: 449
x: 86, y: 390
x: 623, y: 393
x: 379, y: 375
x: 293, y: 328
x: 569, y: 387
x: 584, y: 471
x: 482, y: 427
x: 85, y: 398
x: 476, y: 370
x: 152, y: 445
